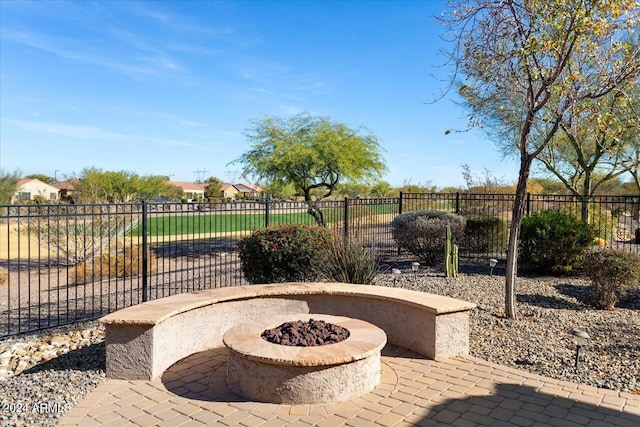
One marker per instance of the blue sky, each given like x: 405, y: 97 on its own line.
x: 162, y: 87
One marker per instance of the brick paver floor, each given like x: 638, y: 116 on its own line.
x: 461, y: 391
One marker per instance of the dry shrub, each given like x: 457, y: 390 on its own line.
x: 126, y: 262
x: 612, y: 273
x: 422, y: 233
x: 4, y: 276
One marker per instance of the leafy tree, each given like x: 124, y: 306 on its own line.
x: 409, y: 187
x: 8, y: 185
x: 521, y: 66
x: 549, y: 185
x: 631, y: 158
x: 588, y: 151
x: 95, y: 186
x: 310, y: 153
x: 42, y: 177
x: 383, y: 189
x: 484, y: 183
x: 213, y: 188
x: 151, y: 186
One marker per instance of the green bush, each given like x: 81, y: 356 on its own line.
x: 553, y: 242
x: 611, y: 273
x: 348, y: 263
x: 284, y: 253
x: 486, y: 233
x: 601, y: 219
x: 422, y: 233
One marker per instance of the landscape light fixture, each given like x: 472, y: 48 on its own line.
x: 580, y: 339
x: 492, y: 263
x: 415, y: 266
x: 396, y: 276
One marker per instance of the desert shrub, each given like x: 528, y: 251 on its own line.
x: 284, y: 253
x: 599, y: 241
x: 553, y: 242
x: 601, y: 219
x: 125, y: 262
x: 4, y: 276
x: 611, y: 273
x: 422, y: 233
x: 486, y: 233
x: 348, y: 263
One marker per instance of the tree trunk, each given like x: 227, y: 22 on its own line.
x: 584, y: 200
x: 514, y: 235
x: 316, y: 213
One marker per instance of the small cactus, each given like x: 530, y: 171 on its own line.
x: 450, y: 255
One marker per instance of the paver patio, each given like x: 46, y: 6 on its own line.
x: 414, y: 390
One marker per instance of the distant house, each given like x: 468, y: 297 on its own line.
x: 241, y: 191
x: 193, y: 191
x: 30, y: 188
x: 66, y: 189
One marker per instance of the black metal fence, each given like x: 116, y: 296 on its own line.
x: 69, y: 263
x: 615, y: 219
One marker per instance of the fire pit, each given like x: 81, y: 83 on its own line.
x: 295, y: 374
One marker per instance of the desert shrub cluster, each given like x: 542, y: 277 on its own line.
x: 124, y: 262
x: 422, y: 233
x: 612, y: 273
x: 284, y: 253
x: 292, y: 253
x: 486, y: 233
x: 348, y: 262
x: 553, y: 242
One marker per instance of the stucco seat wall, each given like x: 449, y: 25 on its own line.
x: 144, y: 340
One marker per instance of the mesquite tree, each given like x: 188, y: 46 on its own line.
x: 594, y: 143
x: 311, y: 153
x: 521, y: 65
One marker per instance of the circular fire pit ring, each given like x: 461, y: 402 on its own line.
x: 267, y: 372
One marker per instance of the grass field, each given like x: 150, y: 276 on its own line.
x: 217, y: 223
x: 173, y: 225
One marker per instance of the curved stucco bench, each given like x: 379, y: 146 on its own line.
x: 144, y: 340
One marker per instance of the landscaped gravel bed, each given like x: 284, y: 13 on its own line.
x: 538, y: 341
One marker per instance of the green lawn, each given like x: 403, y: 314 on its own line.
x: 222, y: 223
x: 199, y: 223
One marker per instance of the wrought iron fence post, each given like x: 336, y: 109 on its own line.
x: 346, y: 220
x: 457, y: 203
x: 400, y: 204
x: 145, y: 260
x: 528, y: 203
x: 266, y: 212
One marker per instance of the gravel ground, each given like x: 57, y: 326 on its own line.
x: 538, y: 341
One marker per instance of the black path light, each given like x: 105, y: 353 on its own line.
x: 580, y: 339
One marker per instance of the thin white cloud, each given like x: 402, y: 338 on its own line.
x: 282, y: 79
x: 167, y: 116
x: 87, y: 133
x: 192, y: 49
x: 71, y: 50
x: 178, y: 23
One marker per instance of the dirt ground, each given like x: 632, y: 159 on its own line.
x: 15, y: 244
